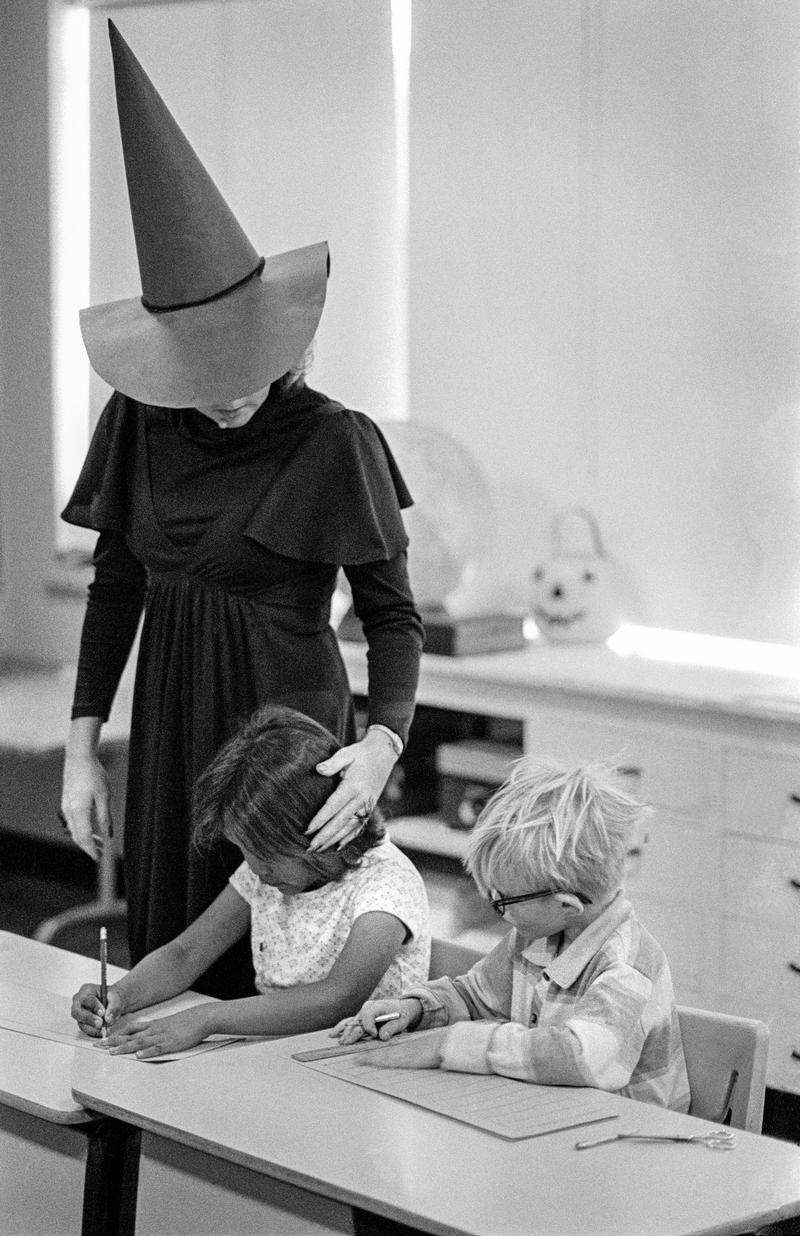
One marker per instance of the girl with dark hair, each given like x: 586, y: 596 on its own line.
x: 328, y: 928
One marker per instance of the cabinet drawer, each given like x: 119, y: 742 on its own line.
x: 668, y: 769
x: 756, y: 880
x: 762, y: 794
x: 755, y: 963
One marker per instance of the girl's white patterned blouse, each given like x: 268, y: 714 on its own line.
x: 296, y: 939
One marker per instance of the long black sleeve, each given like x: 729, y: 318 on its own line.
x: 383, y: 602
x: 113, y: 608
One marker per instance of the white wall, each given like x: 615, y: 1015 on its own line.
x: 32, y: 623
x: 605, y: 233
x: 603, y: 247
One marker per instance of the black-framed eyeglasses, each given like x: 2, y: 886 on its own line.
x: 499, y: 903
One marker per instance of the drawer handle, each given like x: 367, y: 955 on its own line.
x: 794, y: 798
x: 794, y: 883
x: 630, y: 770
x: 795, y: 1054
x: 793, y: 966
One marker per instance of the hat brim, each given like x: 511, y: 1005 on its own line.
x: 218, y: 351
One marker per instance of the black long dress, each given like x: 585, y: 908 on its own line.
x: 230, y: 540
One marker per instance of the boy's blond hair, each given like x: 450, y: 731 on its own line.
x: 563, y: 828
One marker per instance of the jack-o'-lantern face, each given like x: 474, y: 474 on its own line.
x: 574, y: 599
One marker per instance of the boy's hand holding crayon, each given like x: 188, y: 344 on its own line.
x: 378, y: 1019
x: 383, y: 1019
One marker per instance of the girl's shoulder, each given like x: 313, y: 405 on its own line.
x: 387, y: 860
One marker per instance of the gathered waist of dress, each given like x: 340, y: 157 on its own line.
x: 278, y: 595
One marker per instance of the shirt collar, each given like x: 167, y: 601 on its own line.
x: 565, y: 967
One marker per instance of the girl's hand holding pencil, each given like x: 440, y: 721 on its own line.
x: 90, y: 1013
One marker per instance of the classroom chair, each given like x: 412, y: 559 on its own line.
x: 449, y: 959
x: 726, y: 1059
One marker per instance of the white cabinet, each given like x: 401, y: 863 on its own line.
x: 761, y: 898
x: 676, y: 884
x: 717, y: 754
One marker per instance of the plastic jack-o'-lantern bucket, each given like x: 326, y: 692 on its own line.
x: 580, y: 595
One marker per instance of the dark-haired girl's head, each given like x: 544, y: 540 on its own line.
x: 261, y: 792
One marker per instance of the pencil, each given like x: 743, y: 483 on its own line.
x: 103, y: 977
x: 382, y: 1017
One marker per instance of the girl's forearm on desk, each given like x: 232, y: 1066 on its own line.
x: 289, y: 1010
x: 171, y: 969
x: 164, y: 973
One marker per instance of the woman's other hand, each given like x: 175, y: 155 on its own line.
x: 364, y: 769
x: 85, y: 796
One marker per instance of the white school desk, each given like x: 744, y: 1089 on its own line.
x: 49, y: 1145
x: 245, y: 1139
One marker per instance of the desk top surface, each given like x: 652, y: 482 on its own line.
x: 35, y: 1072
x: 252, y: 1104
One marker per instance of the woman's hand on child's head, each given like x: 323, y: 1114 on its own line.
x: 149, y: 1039
x: 364, y: 769
x: 400, y: 1014
x: 87, y: 1009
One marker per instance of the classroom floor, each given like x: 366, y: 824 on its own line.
x: 38, y: 880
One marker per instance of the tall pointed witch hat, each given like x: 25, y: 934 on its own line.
x: 215, y: 321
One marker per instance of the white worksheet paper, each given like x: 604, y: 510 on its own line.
x: 45, y: 1014
x: 500, y: 1105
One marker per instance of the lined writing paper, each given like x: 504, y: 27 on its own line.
x: 500, y: 1105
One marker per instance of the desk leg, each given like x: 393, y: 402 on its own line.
x: 367, y: 1224
x: 112, y: 1178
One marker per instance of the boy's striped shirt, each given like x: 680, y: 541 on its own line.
x: 601, y: 1013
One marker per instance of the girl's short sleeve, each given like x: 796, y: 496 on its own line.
x: 245, y: 881
x: 394, y: 886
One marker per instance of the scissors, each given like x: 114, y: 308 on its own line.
x: 717, y: 1139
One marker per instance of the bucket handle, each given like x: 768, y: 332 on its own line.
x: 558, y: 531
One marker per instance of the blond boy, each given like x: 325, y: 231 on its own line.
x: 578, y: 993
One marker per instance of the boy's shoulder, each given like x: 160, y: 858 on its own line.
x: 631, y: 943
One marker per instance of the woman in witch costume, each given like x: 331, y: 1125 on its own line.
x: 226, y: 494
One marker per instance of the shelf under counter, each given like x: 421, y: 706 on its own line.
x: 428, y: 834
x: 458, y: 912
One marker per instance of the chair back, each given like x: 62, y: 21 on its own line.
x: 726, y: 1059
x: 449, y: 959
